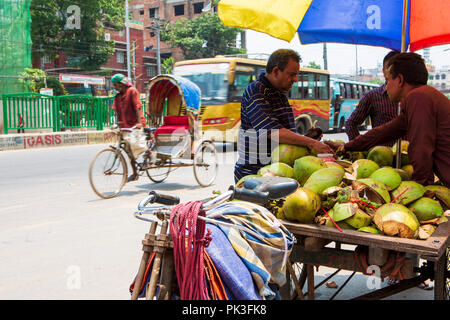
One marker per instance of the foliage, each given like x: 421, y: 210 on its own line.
x: 34, y: 79
x: 83, y: 41
x: 376, y: 81
x: 167, y: 65
x: 313, y: 65
x: 202, y: 37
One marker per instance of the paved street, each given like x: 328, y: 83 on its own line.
x: 58, y: 240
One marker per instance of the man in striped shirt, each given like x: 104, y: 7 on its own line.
x: 374, y: 104
x: 267, y: 117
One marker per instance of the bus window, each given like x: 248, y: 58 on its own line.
x: 343, y: 90
x: 241, y: 82
x: 307, y: 81
x: 360, y: 91
x: 348, y: 91
x: 295, y: 92
x: 322, y: 90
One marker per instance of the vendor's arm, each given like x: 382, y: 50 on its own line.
x: 393, y: 130
x: 264, y: 124
x: 358, y: 116
x: 289, y: 137
x: 422, y: 136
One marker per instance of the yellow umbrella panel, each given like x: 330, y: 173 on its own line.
x: 278, y: 18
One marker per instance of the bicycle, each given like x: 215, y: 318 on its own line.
x: 156, y: 208
x: 108, y: 170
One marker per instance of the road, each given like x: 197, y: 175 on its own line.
x: 58, y: 240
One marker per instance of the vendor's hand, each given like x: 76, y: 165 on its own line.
x: 320, y: 147
x: 340, y: 150
x: 333, y: 145
x: 138, y: 125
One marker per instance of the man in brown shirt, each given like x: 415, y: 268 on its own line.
x: 424, y: 118
x: 128, y: 107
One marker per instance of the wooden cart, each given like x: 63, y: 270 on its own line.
x: 311, y: 251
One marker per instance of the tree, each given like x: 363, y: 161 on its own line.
x: 313, y: 65
x: 167, y: 65
x: 34, y: 79
x: 202, y: 37
x: 77, y: 28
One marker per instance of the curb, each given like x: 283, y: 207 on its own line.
x: 54, y: 139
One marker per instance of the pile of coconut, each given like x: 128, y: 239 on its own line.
x: 359, y: 192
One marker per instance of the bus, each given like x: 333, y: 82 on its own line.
x: 345, y: 96
x: 222, y: 81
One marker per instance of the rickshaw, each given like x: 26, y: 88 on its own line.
x: 173, y: 140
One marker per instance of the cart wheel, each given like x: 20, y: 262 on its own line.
x: 160, y: 171
x: 300, y: 272
x: 108, y: 173
x: 442, y: 277
x: 206, y: 164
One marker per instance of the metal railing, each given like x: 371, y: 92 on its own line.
x: 37, y: 111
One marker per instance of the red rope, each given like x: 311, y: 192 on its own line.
x: 189, y: 241
x: 335, y: 224
x: 393, y: 201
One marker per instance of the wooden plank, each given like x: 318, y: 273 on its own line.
x: 432, y: 248
x: 338, y: 259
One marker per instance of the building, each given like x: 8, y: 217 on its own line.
x: 156, y: 12
x: 142, y: 65
x: 440, y: 78
x: 146, y: 15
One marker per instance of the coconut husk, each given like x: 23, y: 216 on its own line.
x: 367, y: 192
x: 436, y: 221
x: 425, y: 231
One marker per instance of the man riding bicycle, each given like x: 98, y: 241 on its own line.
x: 128, y: 107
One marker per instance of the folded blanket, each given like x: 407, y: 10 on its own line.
x: 235, y: 276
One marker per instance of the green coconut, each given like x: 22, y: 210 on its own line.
x: 359, y: 219
x: 302, y: 205
x: 341, y: 224
x: 403, y: 153
x: 277, y: 169
x: 442, y: 193
x: 388, y: 176
x: 332, y: 164
x: 370, y: 229
x: 409, y: 170
x: 288, y: 153
x: 306, y: 166
x: 241, y: 181
x: 403, y: 174
x: 426, y: 209
x: 343, y: 211
x: 363, y: 168
x: 407, y: 192
x: 382, y: 155
x: 375, y: 186
x: 394, y: 219
x: 323, y: 179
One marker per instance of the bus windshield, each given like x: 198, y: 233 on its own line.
x: 212, y: 78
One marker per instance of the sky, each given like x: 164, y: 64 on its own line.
x: 341, y: 57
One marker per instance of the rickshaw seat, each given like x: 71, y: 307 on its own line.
x: 180, y: 124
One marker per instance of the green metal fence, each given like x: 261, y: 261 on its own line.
x: 36, y: 111
x: 58, y: 113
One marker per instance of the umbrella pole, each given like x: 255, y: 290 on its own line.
x: 403, y: 49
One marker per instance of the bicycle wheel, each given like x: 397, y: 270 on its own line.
x: 206, y: 164
x: 159, y: 171
x: 108, y: 173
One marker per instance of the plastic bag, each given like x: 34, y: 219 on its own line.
x: 137, y: 142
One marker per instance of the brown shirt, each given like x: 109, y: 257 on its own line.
x: 126, y: 105
x: 425, y: 119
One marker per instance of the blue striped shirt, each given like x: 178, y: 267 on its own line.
x: 263, y: 110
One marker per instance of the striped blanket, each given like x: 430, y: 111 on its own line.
x: 260, y: 241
